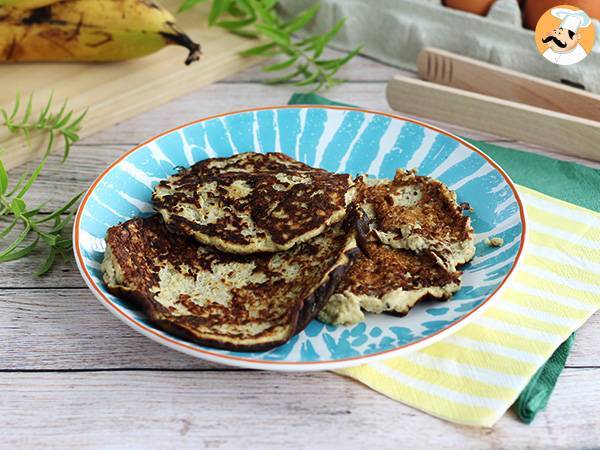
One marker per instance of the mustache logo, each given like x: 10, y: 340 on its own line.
x: 555, y: 40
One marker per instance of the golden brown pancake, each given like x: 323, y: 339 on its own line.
x: 388, y: 280
x: 253, y: 202
x: 237, y: 302
x: 421, y: 214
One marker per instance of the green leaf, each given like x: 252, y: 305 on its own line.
x: 33, y: 176
x: 61, y: 223
x: 245, y: 34
x: 338, y: 62
x: 324, y: 40
x: 310, y: 79
x: 234, y: 24
x: 57, y: 117
x: 217, y: 9
x: 17, y: 206
x: 264, y: 12
x: 6, y: 118
x: 20, y: 181
x: 302, y: 19
x: 8, y: 250
x: 16, y: 107
x: 188, y: 4
x: 245, y: 8
x: 33, y: 212
x: 285, y: 78
x: 258, y: 50
x: 235, y: 11
x: 60, y: 210
x: 67, y: 150
x: 48, y: 238
x: 3, y: 179
x: 47, y: 264
x: 74, y: 126
x: 278, y: 36
x: 21, y: 253
x: 8, y: 229
x: 45, y: 110
x: 61, y: 122
x: 27, y: 110
x: 282, y: 65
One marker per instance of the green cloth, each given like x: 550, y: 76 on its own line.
x: 567, y: 181
x: 535, y: 396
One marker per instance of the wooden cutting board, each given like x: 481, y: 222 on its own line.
x: 114, y: 92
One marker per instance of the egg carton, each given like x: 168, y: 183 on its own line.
x: 395, y: 31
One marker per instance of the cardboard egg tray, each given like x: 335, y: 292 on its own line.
x: 395, y: 31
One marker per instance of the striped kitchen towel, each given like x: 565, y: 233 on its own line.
x: 475, y: 375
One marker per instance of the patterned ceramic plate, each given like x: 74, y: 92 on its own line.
x: 337, y: 139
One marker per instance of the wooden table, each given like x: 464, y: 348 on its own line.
x: 73, y: 375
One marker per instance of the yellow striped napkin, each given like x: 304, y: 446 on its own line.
x: 473, y: 376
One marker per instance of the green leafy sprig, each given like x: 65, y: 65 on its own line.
x: 303, y: 60
x: 36, y: 226
x: 59, y: 123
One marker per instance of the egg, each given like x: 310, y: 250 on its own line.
x: 534, y: 9
x: 480, y: 7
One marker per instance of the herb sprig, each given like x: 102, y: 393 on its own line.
x: 303, y: 60
x: 36, y: 226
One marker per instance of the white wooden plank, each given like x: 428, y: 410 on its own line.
x: 262, y: 410
x: 57, y: 329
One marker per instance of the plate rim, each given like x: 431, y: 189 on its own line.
x: 238, y: 361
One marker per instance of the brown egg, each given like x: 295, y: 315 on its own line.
x: 535, y: 8
x: 480, y: 7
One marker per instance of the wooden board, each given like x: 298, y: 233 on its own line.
x: 114, y: 92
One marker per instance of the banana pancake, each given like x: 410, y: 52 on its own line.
x: 388, y: 280
x: 418, y: 213
x: 236, y: 302
x: 253, y: 202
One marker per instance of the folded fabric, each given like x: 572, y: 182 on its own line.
x: 476, y: 379
x: 536, y: 394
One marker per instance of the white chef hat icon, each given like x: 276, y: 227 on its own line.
x: 571, y: 20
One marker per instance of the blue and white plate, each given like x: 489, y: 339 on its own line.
x: 338, y: 139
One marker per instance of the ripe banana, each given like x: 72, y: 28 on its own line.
x: 89, y: 30
x: 27, y: 4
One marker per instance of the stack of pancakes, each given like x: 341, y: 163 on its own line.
x: 245, y: 251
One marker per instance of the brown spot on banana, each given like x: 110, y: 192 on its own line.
x: 150, y: 4
x: 56, y: 37
x: 10, y: 50
x: 39, y: 15
x: 77, y: 29
x: 105, y: 37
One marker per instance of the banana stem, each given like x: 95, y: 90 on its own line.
x: 179, y: 38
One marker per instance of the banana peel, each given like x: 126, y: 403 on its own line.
x: 89, y: 30
x: 27, y: 4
